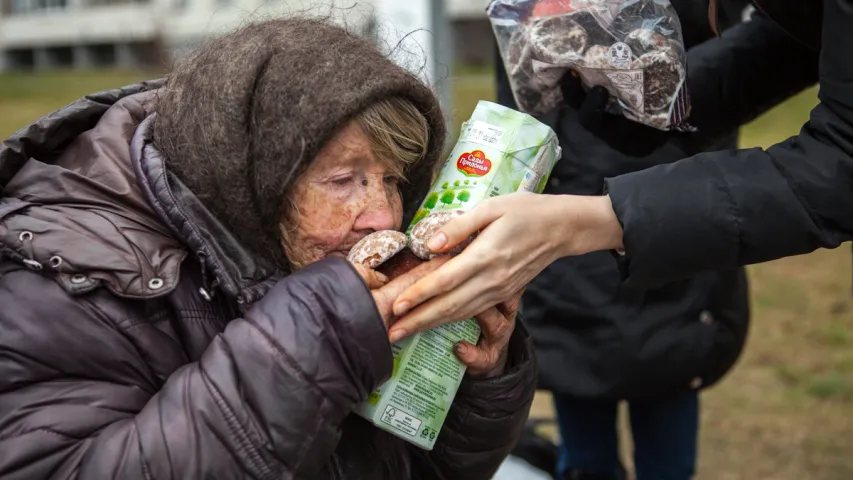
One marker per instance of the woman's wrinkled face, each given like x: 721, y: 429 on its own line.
x: 346, y: 194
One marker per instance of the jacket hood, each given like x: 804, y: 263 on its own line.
x: 71, y: 205
x: 241, y: 137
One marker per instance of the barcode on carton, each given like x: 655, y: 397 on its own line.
x: 484, y: 133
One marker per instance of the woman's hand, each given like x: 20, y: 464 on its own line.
x: 521, y: 234
x: 488, y: 358
x: 385, y: 291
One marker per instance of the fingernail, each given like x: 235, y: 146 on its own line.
x: 401, y: 308
x: 437, y: 241
x: 396, y: 335
x: 381, y: 277
x: 461, y: 348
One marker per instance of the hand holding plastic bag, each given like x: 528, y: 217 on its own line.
x: 632, y: 48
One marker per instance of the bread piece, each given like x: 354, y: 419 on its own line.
x: 374, y: 249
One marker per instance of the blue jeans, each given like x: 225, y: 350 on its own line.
x: 665, y: 436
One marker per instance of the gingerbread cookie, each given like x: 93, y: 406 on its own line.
x: 374, y: 249
x: 597, y: 33
x: 662, y: 75
x: 518, y: 57
x: 597, y: 56
x: 643, y: 41
x: 557, y: 40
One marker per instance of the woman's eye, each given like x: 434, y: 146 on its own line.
x: 342, y: 181
x: 392, y: 180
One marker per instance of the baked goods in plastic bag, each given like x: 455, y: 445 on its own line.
x: 633, y: 48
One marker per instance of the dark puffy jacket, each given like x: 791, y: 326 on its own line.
x: 742, y: 207
x: 598, y: 338
x: 121, y: 355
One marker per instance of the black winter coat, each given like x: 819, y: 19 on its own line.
x: 597, y: 338
x: 732, y: 208
x: 120, y: 358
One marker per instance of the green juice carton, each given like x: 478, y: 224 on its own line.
x: 499, y: 151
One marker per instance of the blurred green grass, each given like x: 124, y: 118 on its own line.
x: 25, y: 97
x: 785, y: 412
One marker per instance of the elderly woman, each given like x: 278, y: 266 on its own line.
x: 174, y: 302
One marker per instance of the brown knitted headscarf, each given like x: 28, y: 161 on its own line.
x: 240, y: 119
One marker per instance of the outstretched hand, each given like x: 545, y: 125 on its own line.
x: 520, y: 235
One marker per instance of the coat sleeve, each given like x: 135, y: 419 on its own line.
x: 751, y: 68
x: 485, y: 421
x: 723, y: 209
x: 265, y: 401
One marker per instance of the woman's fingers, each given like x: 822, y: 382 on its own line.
x: 489, y: 260
x: 458, y: 270
x: 489, y: 357
x: 371, y: 277
x: 459, y: 302
x: 385, y: 295
x: 468, y: 284
x: 460, y: 228
x: 510, y: 307
x: 479, y: 359
x: 494, y: 325
x: 422, y: 318
x: 462, y: 268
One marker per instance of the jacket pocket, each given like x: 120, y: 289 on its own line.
x: 729, y: 318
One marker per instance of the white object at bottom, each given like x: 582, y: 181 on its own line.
x: 514, y: 468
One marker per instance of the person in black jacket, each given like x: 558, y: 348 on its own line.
x: 712, y: 211
x: 599, y: 343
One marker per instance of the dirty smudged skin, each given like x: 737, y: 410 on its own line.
x: 346, y: 194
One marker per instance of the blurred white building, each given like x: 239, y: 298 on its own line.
x: 473, y: 38
x: 43, y: 34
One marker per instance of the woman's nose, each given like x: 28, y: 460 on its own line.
x: 378, y: 213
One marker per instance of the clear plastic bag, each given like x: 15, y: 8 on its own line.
x: 633, y: 48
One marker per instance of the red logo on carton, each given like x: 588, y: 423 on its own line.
x: 474, y: 163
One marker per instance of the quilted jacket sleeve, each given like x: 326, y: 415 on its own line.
x: 265, y: 401
x: 722, y: 209
x: 485, y: 421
